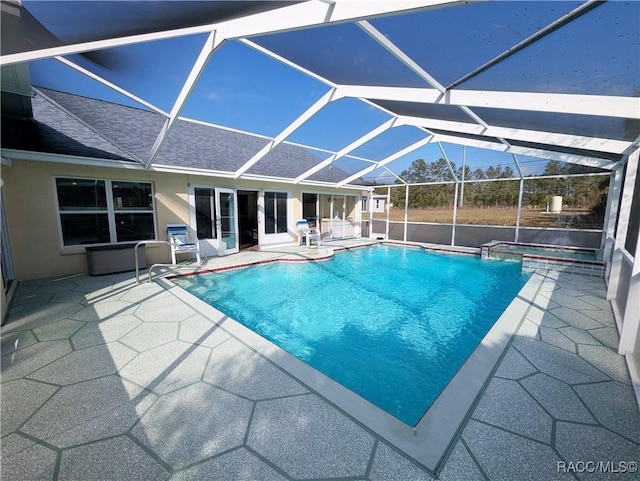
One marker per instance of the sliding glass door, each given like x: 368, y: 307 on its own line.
x: 310, y: 209
x: 338, y: 216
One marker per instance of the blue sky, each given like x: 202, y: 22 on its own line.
x: 243, y: 89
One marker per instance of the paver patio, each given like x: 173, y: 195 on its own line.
x: 103, y: 378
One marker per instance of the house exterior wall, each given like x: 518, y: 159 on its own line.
x: 32, y: 217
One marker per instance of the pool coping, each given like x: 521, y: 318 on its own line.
x: 430, y: 441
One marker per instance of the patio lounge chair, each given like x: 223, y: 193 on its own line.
x: 180, y: 242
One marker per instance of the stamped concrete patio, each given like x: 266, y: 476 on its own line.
x: 103, y: 378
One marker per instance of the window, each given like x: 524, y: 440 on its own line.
x: 96, y: 211
x: 205, y: 201
x: 133, y: 208
x: 310, y: 209
x: 275, y: 209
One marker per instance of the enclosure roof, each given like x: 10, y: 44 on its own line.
x: 361, y: 86
x: 77, y: 126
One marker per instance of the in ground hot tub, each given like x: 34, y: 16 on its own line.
x: 573, y: 260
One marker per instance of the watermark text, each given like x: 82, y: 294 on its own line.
x: 621, y: 467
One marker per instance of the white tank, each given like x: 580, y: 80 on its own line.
x: 556, y: 204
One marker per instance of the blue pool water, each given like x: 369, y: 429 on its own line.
x: 392, y: 324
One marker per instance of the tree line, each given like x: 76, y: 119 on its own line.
x: 583, y: 192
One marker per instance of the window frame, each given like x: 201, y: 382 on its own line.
x: 111, y: 211
x: 275, y: 220
x: 212, y: 210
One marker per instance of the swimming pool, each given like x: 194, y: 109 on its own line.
x: 393, y: 324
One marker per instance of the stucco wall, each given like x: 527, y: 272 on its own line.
x: 29, y: 197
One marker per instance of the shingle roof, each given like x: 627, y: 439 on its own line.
x: 205, y: 147
x: 135, y: 130
x: 54, y: 131
x: 129, y: 133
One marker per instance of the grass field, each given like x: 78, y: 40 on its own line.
x: 574, y: 219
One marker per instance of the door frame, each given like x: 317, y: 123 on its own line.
x: 211, y: 247
x: 223, y: 249
x: 258, y: 222
x: 279, y: 238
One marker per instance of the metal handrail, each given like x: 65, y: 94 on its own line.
x: 203, y: 262
x: 135, y: 254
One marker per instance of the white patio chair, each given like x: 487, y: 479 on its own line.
x: 307, y: 233
x: 178, y: 235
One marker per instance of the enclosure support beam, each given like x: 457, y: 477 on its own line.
x: 111, y: 85
x: 394, y: 175
x: 318, y: 105
x: 519, y: 210
x: 394, y: 50
x: 598, y: 105
x: 623, y: 224
x: 386, y: 230
x: 464, y: 167
x: 455, y: 213
x: 631, y: 319
x: 387, y: 160
x: 609, y: 224
x: 455, y: 195
x: 349, y: 148
x: 517, y: 162
x: 406, y: 210
x: 530, y: 151
x: 297, y: 15
x: 543, y: 32
x: 212, y: 43
x: 596, y: 144
x: 370, y: 211
x: 444, y: 154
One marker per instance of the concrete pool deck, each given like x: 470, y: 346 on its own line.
x: 103, y: 378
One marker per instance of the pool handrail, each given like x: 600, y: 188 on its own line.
x: 200, y: 265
